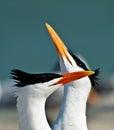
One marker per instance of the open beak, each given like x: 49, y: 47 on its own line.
x: 69, y: 77
x: 60, y: 46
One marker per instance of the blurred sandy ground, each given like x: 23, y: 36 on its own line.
x: 100, y: 117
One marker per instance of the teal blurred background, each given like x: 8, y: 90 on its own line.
x: 87, y: 27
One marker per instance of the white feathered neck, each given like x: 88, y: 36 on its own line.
x: 72, y: 115
x: 31, y: 105
x: 31, y: 112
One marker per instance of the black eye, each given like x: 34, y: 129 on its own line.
x: 79, y: 62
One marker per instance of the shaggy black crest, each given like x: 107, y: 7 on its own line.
x: 93, y: 78
x: 23, y: 78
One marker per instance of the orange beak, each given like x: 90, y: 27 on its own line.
x: 59, y: 45
x: 62, y: 51
x: 69, y: 77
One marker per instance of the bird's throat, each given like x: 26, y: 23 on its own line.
x: 72, y: 114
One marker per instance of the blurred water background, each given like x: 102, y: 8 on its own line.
x: 87, y: 28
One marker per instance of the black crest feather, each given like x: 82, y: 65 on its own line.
x: 94, y: 78
x: 22, y: 78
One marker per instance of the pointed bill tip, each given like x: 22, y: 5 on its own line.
x: 58, y: 43
x: 47, y: 25
x: 69, y: 77
x: 55, y: 37
x: 89, y: 72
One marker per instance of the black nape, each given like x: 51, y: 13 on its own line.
x: 78, y: 61
x: 93, y: 78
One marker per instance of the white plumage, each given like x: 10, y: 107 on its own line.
x: 72, y: 115
x: 32, y: 92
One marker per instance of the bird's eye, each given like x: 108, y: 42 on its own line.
x: 79, y: 64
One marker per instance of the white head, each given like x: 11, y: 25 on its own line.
x: 42, y: 85
x: 70, y: 63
